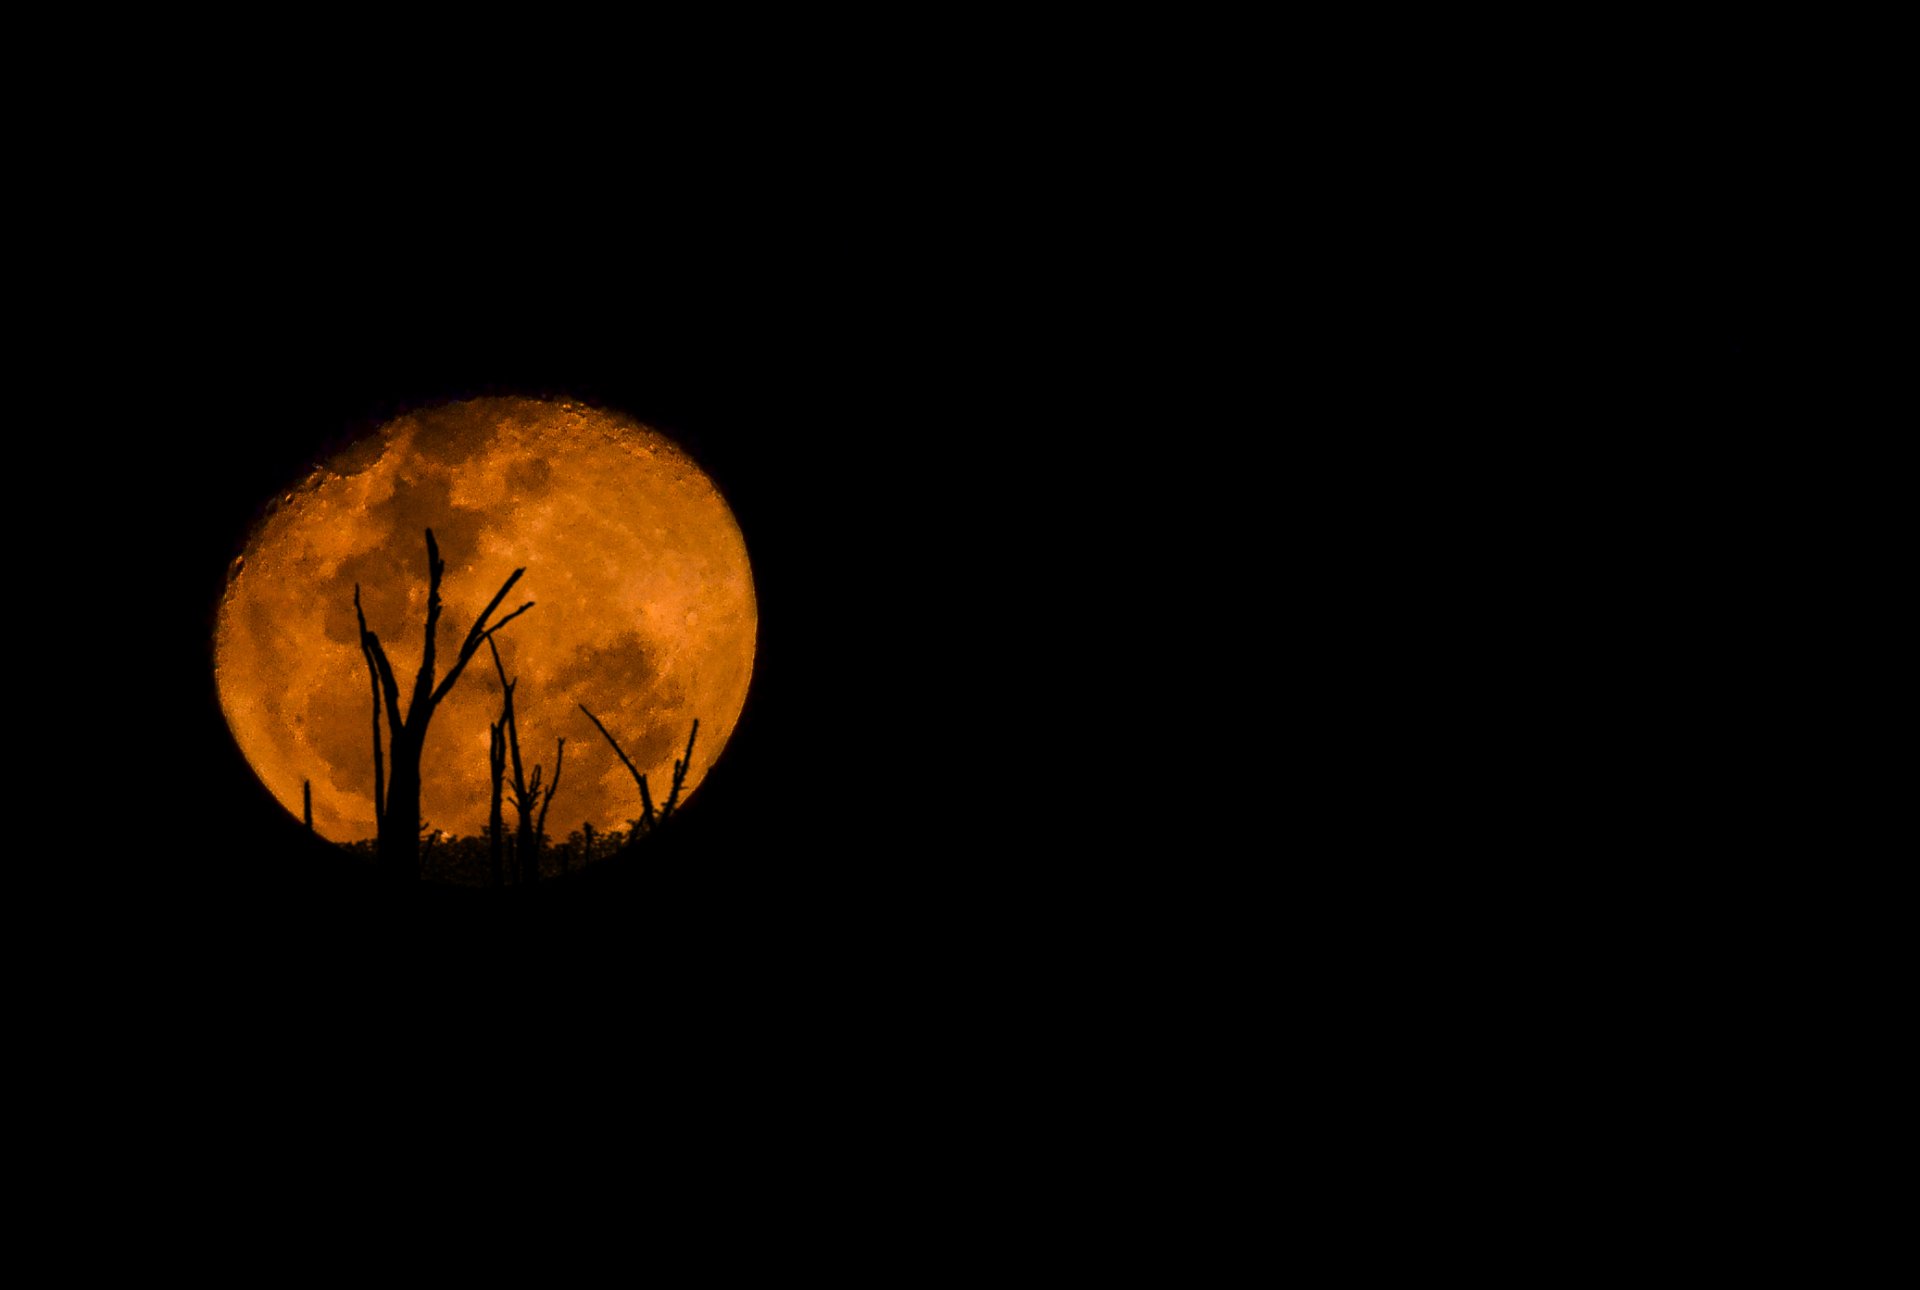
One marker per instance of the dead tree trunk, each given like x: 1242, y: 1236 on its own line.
x: 526, y: 791
x: 373, y: 680
x: 398, y: 847
x: 399, y: 814
x: 496, y: 768
x: 546, y: 799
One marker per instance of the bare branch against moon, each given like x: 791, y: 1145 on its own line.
x: 680, y: 768
x: 527, y: 802
x: 646, y: 798
x: 373, y: 679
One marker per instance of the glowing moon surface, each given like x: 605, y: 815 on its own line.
x: 643, y: 611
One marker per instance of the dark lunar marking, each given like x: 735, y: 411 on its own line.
x: 529, y: 479
x: 337, y: 731
x: 384, y: 584
x: 392, y: 571
x: 607, y: 677
x: 271, y: 639
x: 619, y: 682
x: 359, y: 457
x: 338, y: 621
x: 427, y: 503
x: 508, y: 646
x: 451, y: 435
x: 351, y: 782
x: 659, y: 741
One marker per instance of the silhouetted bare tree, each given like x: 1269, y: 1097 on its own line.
x: 399, y: 817
x: 646, y: 798
x: 306, y: 804
x: 526, y: 792
x: 546, y: 800
x: 496, y: 768
x: 373, y: 680
x: 648, y: 820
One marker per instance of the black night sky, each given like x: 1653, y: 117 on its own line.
x: 1248, y: 565
x: 822, y: 407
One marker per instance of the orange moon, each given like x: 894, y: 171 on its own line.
x: 644, y: 611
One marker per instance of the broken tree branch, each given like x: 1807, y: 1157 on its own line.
x: 480, y: 631
x: 373, y: 681
x: 559, y: 756
x: 680, y: 769
x: 423, y: 679
x: 646, y: 798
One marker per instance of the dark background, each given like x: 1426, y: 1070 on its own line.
x: 837, y: 417
x: 877, y: 854
x: 1037, y: 499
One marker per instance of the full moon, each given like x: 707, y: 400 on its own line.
x: 644, y: 613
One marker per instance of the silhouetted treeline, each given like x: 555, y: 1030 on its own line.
x: 468, y: 860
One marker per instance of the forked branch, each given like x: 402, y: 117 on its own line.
x: 479, y: 631
x: 511, y: 725
x: 377, y: 663
x: 399, y: 814
x: 423, y: 679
